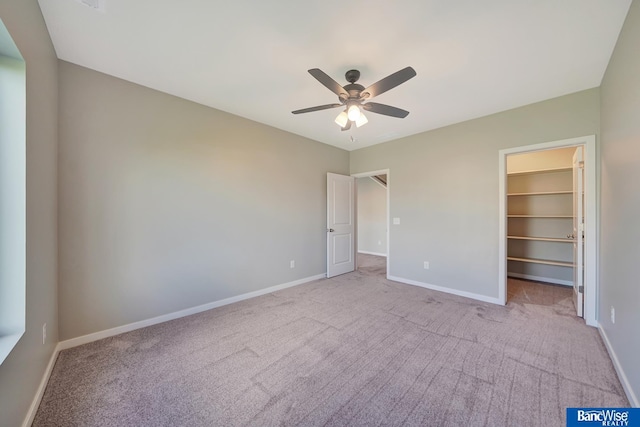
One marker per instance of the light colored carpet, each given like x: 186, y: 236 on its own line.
x: 372, y: 265
x: 353, y: 350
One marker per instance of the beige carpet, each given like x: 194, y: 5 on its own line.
x: 372, y: 265
x: 353, y: 350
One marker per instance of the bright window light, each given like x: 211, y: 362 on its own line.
x: 12, y: 194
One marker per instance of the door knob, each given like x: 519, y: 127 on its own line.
x: 330, y: 230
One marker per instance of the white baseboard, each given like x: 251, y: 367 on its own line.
x: 31, y: 414
x: 74, y: 342
x: 626, y: 385
x: 465, y: 294
x: 541, y: 279
x: 371, y: 253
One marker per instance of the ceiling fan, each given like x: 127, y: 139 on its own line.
x: 354, y: 95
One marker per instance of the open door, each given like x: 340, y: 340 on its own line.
x: 340, y: 224
x: 578, y: 230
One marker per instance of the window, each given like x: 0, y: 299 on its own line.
x: 12, y: 193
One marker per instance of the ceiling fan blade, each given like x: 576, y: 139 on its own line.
x: 388, y: 82
x: 328, y: 82
x: 318, y: 108
x: 386, y: 110
x: 347, y: 126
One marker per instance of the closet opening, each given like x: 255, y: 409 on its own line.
x: 541, y: 242
x: 548, y: 225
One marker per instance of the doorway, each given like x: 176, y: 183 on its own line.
x: 372, y: 222
x: 540, y: 242
x: 537, y: 209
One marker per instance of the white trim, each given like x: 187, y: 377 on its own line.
x: 371, y: 253
x: 370, y: 173
x: 626, y: 385
x: 592, y: 220
x: 502, y: 228
x: 465, y: 294
x: 74, y: 342
x: 373, y: 173
x: 33, y: 409
x: 541, y: 279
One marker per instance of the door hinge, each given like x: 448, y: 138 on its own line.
x: 581, y: 289
x: 581, y: 164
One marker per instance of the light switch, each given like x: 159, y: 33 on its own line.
x: 396, y: 221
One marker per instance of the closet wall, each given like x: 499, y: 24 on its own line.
x: 540, y: 216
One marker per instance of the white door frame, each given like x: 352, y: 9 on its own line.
x: 577, y: 175
x: 364, y: 175
x: 592, y: 221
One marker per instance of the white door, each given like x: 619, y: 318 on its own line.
x: 578, y: 229
x: 340, y: 224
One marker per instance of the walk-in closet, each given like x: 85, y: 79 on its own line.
x: 542, y: 216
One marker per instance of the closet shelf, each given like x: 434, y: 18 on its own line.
x: 539, y: 203
x: 541, y: 193
x: 541, y: 261
x: 542, y: 239
x: 537, y: 171
x: 540, y: 216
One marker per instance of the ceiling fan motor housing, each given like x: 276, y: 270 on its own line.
x: 354, y: 90
x: 352, y: 76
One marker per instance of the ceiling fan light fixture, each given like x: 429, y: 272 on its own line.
x: 353, y: 96
x: 353, y: 112
x: 362, y: 120
x: 342, y: 119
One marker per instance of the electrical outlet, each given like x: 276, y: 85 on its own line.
x: 44, y: 333
x: 292, y: 264
x: 613, y: 315
x: 426, y: 265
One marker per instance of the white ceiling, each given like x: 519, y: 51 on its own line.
x: 250, y: 58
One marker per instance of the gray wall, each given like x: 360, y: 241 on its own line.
x: 445, y: 188
x: 166, y: 204
x: 620, y: 209
x: 372, y: 216
x: 21, y: 372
